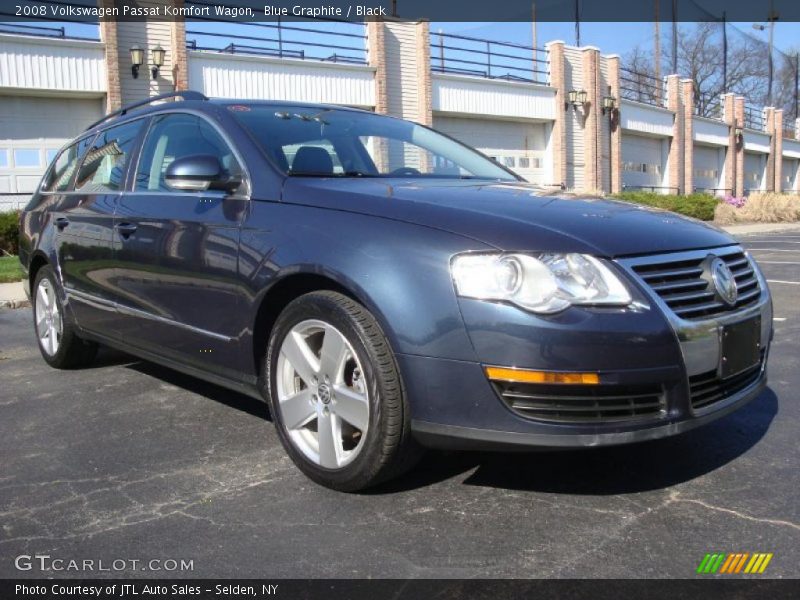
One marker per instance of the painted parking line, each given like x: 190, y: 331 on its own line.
x: 774, y: 249
x: 779, y: 319
x: 786, y: 282
x: 778, y: 262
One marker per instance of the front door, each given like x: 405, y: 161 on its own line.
x: 176, y: 267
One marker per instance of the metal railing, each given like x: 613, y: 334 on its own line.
x: 464, y: 55
x: 341, y: 42
x: 753, y: 118
x: 707, y: 105
x: 641, y: 87
x: 54, y: 29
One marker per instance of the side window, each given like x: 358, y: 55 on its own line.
x: 103, y: 168
x: 174, y: 136
x: 60, y: 174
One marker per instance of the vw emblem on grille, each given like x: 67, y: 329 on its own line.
x: 724, y: 281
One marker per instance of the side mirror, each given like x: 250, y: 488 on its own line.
x: 199, y: 173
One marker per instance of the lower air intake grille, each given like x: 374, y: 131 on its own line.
x: 582, y: 403
x: 685, y: 285
x: 707, y: 388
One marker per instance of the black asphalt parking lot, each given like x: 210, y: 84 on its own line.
x: 129, y: 460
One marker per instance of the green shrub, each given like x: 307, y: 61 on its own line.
x: 9, y: 232
x: 699, y: 206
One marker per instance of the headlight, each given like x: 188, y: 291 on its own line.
x: 546, y: 283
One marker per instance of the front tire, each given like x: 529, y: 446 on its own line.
x: 336, y: 395
x: 59, y: 343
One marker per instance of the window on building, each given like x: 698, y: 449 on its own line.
x: 3, y: 157
x: 103, y: 167
x: 175, y: 136
x: 27, y: 157
x: 524, y: 162
x: 50, y: 154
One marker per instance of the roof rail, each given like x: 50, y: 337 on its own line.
x: 185, y: 94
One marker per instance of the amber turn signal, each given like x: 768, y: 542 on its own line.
x: 525, y: 376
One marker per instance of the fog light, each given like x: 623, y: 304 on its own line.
x: 525, y: 376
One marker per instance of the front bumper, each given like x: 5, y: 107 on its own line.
x: 454, y: 405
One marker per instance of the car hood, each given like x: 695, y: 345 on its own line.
x: 511, y: 216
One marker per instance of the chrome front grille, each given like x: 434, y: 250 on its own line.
x: 685, y: 285
x: 582, y: 403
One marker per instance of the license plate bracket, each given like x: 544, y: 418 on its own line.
x: 741, y: 347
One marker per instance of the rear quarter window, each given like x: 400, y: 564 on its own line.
x: 104, y: 165
x: 60, y: 174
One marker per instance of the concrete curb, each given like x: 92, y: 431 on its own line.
x: 15, y: 303
x: 744, y: 229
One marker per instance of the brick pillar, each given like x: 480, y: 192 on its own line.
x: 591, y: 130
x: 738, y: 110
x: 778, y: 150
x: 675, y: 159
x: 376, y: 57
x: 615, y: 157
x: 376, y: 48
x: 729, y: 116
x: 108, y: 34
x: 180, y: 60
x: 687, y: 98
x: 769, y: 127
x: 424, y: 86
x: 555, y: 52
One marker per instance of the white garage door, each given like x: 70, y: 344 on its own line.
x: 755, y: 171
x: 519, y: 146
x: 789, y: 175
x: 643, y: 161
x: 31, y: 132
x: 708, y: 168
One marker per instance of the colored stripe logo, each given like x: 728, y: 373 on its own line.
x: 731, y: 563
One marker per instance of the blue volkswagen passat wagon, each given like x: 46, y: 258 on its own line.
x: 383, y: 287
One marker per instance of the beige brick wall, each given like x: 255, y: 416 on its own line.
x: 108, y: 34
x: 559, y: 141
x: 729, y: 116
x: 180, y: 60
x: 615, y: 159
x: 738, y: 110
x: 676, y: 149
x: 591, y: 83
x: 687, y: 101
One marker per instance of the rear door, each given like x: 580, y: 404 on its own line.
x: 176, y: 276
x: 86, y: 225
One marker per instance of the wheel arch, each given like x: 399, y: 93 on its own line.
x: 289, y: 287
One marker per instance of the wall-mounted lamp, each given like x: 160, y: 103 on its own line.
x: 609, y: 104
x: 576, y: 98
x: 158, y: 60
x: 137, y: 60
x: 738, y: 132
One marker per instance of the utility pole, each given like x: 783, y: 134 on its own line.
x: 657, y: 50
x: 674, y: 36
x: 533, y: 22
x: 578, y: 23
x: 773, y: 16
x: 724, y: 52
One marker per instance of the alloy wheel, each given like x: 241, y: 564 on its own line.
x: 49, y: 323
x: 322, y: 394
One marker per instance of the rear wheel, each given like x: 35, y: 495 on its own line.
x: 336, y: 395
x: 60, y: 345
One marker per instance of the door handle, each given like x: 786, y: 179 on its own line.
x: 126, y: 229
x: 61, y: 223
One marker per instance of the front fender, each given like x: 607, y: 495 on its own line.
x: 399, y: 271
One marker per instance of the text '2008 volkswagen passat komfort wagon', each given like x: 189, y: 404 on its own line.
x: 383, y: 287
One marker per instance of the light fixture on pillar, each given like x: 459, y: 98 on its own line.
x: 158, y: 60
x: 576, y: 98
x: 738, y: 132
x: 137, y: 60
x: 609, y: 104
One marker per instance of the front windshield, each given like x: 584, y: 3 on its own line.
x: 306, y: 141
